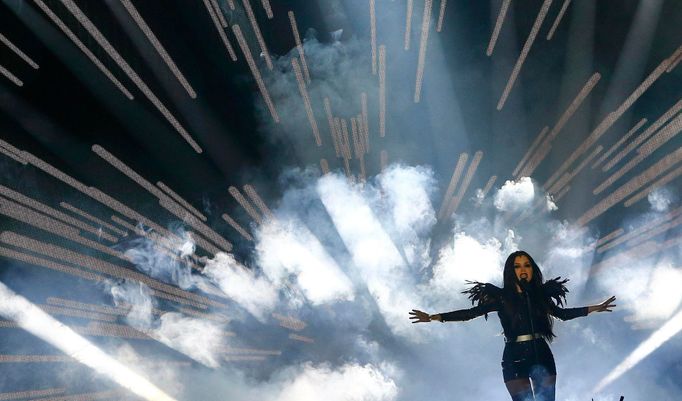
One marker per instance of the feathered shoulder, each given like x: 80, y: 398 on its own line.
x: 556, y: 290
x: 482, y: 293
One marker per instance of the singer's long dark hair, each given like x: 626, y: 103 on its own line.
x: 535, y: 289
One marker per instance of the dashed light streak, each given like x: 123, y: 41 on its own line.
x: 383, y: 159
x: 289, y: 322
x: 301, y: 338
x: 621, y: 141
x: 660, y: 229
x: 30, y: 318
x: 16, y: 81
x: 11, y: 152
x: 365, y: 119
x: 559, y: 184
x: 18, y: 52
x: 664, y: 135
x: 524, y: 52
x: 558, y: 19
x: 268, y: 8
x: 90, y: 217
x: 615, y: 233
x: 101, y: 309
x: 84, y: 49
x: 441, y: 15
x: 489, y: 185
x: 382, y: 91
x: 342, y: 143
x: 299, y: 45
x: 159, y: 47
x: 530, y: 150
x: 332, y: 127
x: 456, y: 175
x: 562, y: 193
x: 306, y: 101
x: 245, y: 204
x: 99, y: 265
x: 85, y: 396
x: 659, y: 183
x: 12, y: 156
x: 535, y: 159
x: 358, y: 146
x: 373, y: 34
x: 671, y: 328
x: 120, y: 61
x: 657, y: 221
x: 56, y: 310
x: 498, y: 27
x: 610, y: 119
x: 219, y: 13
x: 362, y: 135
x: 254, y: 70
x: 670, y: 113
x: 221, y: 32
x: 632, y: 185
x: 257, y: 32
x: 30, y: 393
x: 124, y: 223
x: 250, y: 351
x: 408, y: 24
x: 675, y: 59
x: 567, y: 114
x: 48, y: 264
x: 454, y: 203
x: 324, y: 165
x: 257, y: 200
x: 49, y: 169
x: 180, y: 200
x: 237, y: 227
x: 346, y: 140
x: 166, y: 202
x: 423, y: 41
x: 46, y: 223
x: 56, y: 214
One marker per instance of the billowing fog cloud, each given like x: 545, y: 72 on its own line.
x: 467, y: 259
x: 351, y: 382
x: 285, y: 247
x: 515, y: 195
x: 646, y: 289
x: 251, y: 291
x: 410, y: 215
x: 197, y: 338
x: 660, y: 199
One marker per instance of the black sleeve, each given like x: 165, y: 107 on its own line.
x: 468, y: 314
x: 567, y: 313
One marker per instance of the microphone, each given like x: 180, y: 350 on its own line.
x: 524, y: 284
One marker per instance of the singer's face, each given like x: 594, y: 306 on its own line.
x: 523, y: 268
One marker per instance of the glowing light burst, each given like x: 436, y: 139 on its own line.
x: 658, y: 338
x: 32, y: 319
x: 373, y: 252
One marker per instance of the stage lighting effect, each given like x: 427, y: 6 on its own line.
x: 648, y: 346
x: 32, y: 319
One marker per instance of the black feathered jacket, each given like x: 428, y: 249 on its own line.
x: 512, y: 309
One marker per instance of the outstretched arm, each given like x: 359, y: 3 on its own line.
x: 418, y: 316
x: 606, y: 306
x: 572, y: 313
